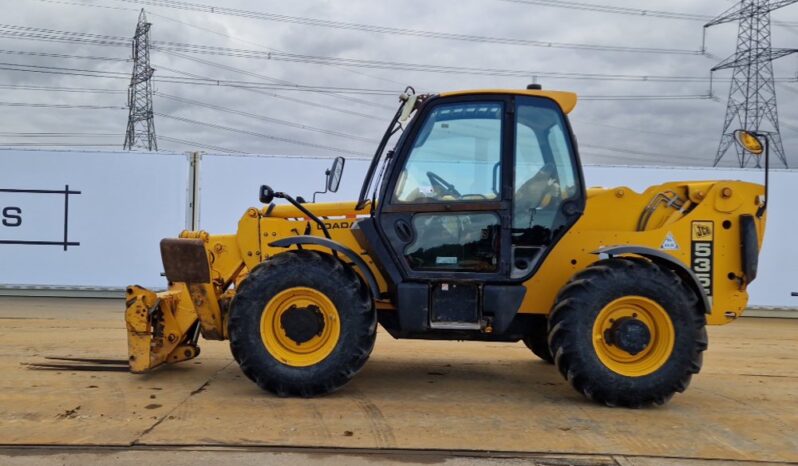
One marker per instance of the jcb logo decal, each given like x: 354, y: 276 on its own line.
x: 703, y: 236
x: 703, y: 231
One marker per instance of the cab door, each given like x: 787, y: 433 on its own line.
x: 445, y: 211
x: 474, y: 197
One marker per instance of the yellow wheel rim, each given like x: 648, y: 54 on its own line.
x: 642, y: 310
x: 277, y: 340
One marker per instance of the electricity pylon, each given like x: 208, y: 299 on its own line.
x: 752, y: 96
x: 140, y: 124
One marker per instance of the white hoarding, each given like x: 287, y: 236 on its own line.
x: 230, y: 184
x: 95, y: 219
x: 87, y: 219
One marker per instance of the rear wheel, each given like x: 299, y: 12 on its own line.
x: 302, y: 324
x: 626, y: 332
x: 537, y: 340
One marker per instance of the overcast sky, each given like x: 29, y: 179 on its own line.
x: 677, y: 132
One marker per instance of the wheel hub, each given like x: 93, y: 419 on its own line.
x: 301, y: 324
x: 629, y: 334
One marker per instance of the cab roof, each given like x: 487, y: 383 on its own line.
x: 566, y: 100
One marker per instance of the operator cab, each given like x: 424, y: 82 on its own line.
x: 478, y: 189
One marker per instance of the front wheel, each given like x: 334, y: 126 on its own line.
x: 302, y: 324
x: 537, y: 340
x: 626, y: 332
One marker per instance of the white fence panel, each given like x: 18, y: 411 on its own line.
x: 127, y: 202
x: 104, y: 232
x: 230, y: 184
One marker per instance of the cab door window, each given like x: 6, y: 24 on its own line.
x: 456, y: 156
x: 467, y: 241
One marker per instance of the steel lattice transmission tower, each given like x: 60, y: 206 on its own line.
x: 752, y: 96
x: 140, y: 123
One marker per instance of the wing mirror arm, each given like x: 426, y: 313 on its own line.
x: 757, y: 144
x: 764, y: 205
x: 326, y: 185
x: 267, y: 195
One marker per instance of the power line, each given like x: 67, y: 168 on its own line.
x: 53, y: 135
x: 67, y: 106
x: 79, y: 90
x: 282, y: 97
x: 63, y: 36
x: 245, y: 85
x: 264, y: 16
x: 83, y: 4
x: 93, y: 5
x: 256, y: 134
x: 263, y: 117
x: 238, y: 39
x: 61, y: 55
x: 612, y: 9
x: 634, y: 129
x: 53, y: 144
x: 252, y: 85
x: 200, y: 145
x: 348, y: 99
x: 196, y: 81
x: 637, y: 153
x: 62, y: 70
x: 646, y: 97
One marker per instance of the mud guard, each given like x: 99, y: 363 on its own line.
x: 337, y: 247
x: 665, y: 260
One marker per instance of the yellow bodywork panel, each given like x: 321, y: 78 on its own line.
x: 339, y: 218
x: 162, y: 327
x: 611, y: 219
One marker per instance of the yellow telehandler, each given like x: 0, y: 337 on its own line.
x: 477, y: 225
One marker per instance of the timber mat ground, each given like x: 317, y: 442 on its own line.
x: 415, y: 402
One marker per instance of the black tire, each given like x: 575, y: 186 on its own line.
x: 537, y: 340
x: 580, y: 302
x: 321, y: 272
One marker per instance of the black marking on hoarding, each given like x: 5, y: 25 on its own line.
x: 66, y: 192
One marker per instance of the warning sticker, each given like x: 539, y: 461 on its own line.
x: 669, y: 244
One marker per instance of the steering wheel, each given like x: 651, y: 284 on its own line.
x: 441, y: 186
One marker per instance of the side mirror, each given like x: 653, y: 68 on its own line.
x: 749, y: 141
x: 334, y: 174
x: 266, y: 194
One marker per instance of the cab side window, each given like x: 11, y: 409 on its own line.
x: 545, y: 175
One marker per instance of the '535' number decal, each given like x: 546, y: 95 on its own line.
x: 701, y: 252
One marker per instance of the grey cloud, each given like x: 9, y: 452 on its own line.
x: 686, y: 130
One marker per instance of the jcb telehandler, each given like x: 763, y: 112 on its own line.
x: 477, y: 225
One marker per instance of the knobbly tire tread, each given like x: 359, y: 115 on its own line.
x: 537, y: 340
x: 578, y: 304
x: 345, y: 289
